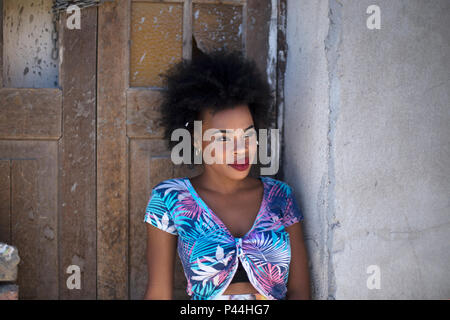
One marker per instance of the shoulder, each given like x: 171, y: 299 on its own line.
x: 277, y: 187
x: 170, y: 185
x: 167, y: 193
x: 281, y: 199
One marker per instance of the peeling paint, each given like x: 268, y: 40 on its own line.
x: 26, y: 31
x: 48, y: 233
x: 78, y: 261
x: 272, y: 51
x: 142, y: 58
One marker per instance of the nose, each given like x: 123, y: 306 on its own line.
x: 240, y: 146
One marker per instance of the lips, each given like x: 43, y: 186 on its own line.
x: 241, y: 167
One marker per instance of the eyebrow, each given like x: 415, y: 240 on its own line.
x: 225, y: 131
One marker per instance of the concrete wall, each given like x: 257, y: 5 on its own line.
x: 367, y: 144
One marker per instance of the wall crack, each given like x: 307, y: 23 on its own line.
x: 332, y: 45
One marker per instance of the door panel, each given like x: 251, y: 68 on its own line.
x: 29, y: 220
x: 28, y: 45
x: 47, y: 152
x: 156, y: 40
x: 143, y: 116
x: 219, y: 25
x: 77, y: 154
x: 37, y: 113
x: 137, y: 41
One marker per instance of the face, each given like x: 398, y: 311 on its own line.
x: 230, y: 140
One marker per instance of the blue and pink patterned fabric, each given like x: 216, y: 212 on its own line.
x: 209, y: 252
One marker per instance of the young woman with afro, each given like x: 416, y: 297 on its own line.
x: 238, y: 237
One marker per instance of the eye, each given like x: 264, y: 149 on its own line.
x: 250, y: 134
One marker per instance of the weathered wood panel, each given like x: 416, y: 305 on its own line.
x: 258, y: 25
x: 5, y: 201
x: 30, y: 113
x: 143, y: 114
x: 218, y: 26
x: 156, y: 41
x: 25, y: 226
x: 112, y: 154
x: 77, y: 155
x: 28, y: 45
x: 33, y: 228
x: 197, y: 1
x: 1, y: 44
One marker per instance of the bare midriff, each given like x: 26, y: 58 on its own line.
x: 240, y: 288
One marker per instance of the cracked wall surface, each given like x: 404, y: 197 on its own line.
x: 367, y: 145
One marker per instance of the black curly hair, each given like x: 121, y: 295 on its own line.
x: 217, y: 81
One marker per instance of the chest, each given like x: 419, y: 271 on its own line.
x: 238, y: 211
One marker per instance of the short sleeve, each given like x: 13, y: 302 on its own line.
x: 158, y: 215
x: 292, y: 213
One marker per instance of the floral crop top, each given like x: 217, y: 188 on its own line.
x: 208, y: 251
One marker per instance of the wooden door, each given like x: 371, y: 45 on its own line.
x: 78, y: 160
x: 48, y: 149
x: 137, y: 40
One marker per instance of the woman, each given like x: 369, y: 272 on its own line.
x: 238, y: 237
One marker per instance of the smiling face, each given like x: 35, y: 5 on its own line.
x: 231, y: 139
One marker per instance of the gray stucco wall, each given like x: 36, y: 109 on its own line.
x: 367, y: 144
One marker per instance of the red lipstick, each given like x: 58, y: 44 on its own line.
x: 240, y: 167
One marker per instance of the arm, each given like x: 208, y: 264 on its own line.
x: 161, y: 250
x: 298, y: 282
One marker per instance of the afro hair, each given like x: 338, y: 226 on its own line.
x: 217, y: 81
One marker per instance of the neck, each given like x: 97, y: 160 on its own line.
x: 211, y: 180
